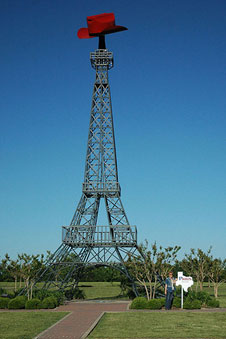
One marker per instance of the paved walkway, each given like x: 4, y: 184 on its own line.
x: 82, y: 317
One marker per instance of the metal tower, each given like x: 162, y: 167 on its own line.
x: 84, y: 242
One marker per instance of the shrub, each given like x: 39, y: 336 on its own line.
x: 130, y: 293
x: 19, y: 292
x: 49, y: 302
x: 163, y: 301
x: 32, y: 304
x: 2, y: 291
x: 192, y: 304
x: 18, y: 302
x: 213, y: 303
x: 155, y: 304
x: 177, y: 292
x: 4, y: 302
x: 177, y: 302
x: 42, y: 294
x: 139, y: 303
x: 74, y: 293
x: 59, y: 295
x: 201, y: 295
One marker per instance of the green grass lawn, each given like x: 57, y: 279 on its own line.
x: 93, y: 290
x: 102, y: 290
x: 26, y: 325
x: 161, y: 325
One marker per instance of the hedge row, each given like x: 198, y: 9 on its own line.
x: 21, y: 302
x: 192, y: 301
x: 41, y: 299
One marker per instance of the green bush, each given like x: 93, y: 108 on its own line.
x: 177, y: 302
x: 49, y: 302
x: 154, y: 304
x: 74, y: 293
x: 192, y: 304
x: 32, y: 304
x: 213, y: 303
x: 139, y: 303
x: 42, y: 294
x: 4, y: 302
x: 203, y: 296
x: 2, y: 291
x: 59, y: 295
x: 163, y: 301
x: 129, y: 292
x: 18, y: 302
x: 19, y: 292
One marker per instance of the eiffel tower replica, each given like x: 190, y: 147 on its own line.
x: 84, y: 243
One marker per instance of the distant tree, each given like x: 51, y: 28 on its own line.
x: 30, y: 265
x: 150, y: 264
x: 197, y: 264
x: 216, y: 273
x: 12, y: 267
x: 15, y: 271
x: 4, y: 272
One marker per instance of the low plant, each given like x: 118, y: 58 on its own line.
x: 19, y: 292
x: 17, y: 303
x: 213, y: 302
x: 139, y: 303
x: 74, y: 293
x: 42, y: 294
x: 163, y: 301
x: 177, y: 302
x: 59, y: 295
x: 33, y: 304
x: 154, y: 304
x: 192, y: 304
x: 4, y: 302
x: 2, y: 291
x: 203, y: 296
x: 49, y: 302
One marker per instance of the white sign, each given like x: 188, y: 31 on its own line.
x: 185, y: 282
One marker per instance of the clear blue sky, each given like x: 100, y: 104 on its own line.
x: 168, y: 90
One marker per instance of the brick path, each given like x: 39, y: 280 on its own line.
x: 83, y: 315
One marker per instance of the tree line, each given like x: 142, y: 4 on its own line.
x: 152, y: 265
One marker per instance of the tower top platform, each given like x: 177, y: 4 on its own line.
x: 101, y: 57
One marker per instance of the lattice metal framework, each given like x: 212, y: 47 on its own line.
x: 83, y: 242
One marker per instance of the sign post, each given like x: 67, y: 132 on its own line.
x: 182, y: 296
x: 185, y: 283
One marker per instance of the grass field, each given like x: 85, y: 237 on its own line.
x: 26, y: 325
x: 161, y: 325
x: 102, y: 290
x: 108, y: 290
x: 93, y: 290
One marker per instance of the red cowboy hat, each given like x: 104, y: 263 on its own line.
x: 98, y: 25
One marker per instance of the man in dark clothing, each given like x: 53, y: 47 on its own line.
x: 169, y: 290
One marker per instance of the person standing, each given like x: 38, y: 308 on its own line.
x: 169, y: 290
